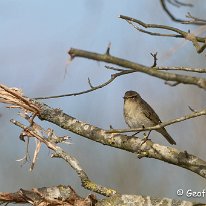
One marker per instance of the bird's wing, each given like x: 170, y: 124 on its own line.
x: 149, y: 112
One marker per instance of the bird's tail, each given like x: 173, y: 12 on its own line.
x: 164, y: 132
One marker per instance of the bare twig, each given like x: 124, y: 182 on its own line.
x: 36, y: 152
x: 180, y: 34
x: 108, y: 48
x: 194, y: 20
x: 155, y: 59
x: 151, y: 33
x: 92, y: 88
x: 187, y: 69
x: 178, y: 3
x: 183, y: 79
x: 163, y: 124
x: 90, y: 84
x: 114, y: 68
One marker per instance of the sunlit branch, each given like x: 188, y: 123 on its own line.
x: 184, y: 79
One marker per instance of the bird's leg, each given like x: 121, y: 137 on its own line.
x: 146, y: 137
x: 135, y: 133
x: 139, y: 131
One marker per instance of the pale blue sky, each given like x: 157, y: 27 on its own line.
x: 35, y: 38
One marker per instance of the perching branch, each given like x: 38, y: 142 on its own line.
x: 163, y: 124
x: 184, y: 79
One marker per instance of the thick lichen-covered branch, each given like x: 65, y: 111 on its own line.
x: 140, y: 200
x: 124, y: 142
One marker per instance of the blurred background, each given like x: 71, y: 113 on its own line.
x: 35, y: 39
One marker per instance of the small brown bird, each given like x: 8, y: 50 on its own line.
x: 137, y: 113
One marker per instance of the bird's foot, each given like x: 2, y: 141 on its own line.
x: 146, y: 137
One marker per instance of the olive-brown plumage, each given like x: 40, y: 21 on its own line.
x: 138, y: 113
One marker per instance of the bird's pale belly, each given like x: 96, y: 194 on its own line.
x: 138, y: 120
